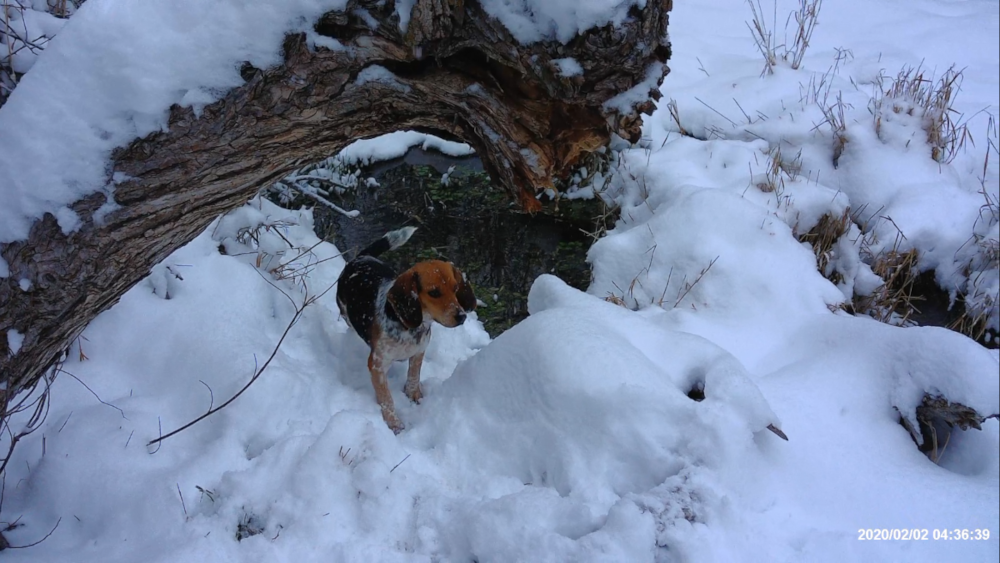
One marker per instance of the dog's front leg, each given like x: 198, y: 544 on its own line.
x: 378, y: 367
x: 412, y: 387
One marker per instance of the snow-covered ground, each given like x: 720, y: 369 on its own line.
x: 571, y: 436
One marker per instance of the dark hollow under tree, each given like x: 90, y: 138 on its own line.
x: 456, y: 72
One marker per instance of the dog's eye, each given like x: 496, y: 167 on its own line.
x: 435, y: 293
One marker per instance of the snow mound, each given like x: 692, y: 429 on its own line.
x: 697, y: 236
x: 546, y: 405
x: 898, y: 366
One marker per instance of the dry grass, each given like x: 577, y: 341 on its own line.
x: 833, y: 115
x: 687, y: 286
x: 320, y: 182
x: 621, y: 298
x: 774, y: 180
x: 806, y: 18
x: 979, y: 303
x: 975, y: 324
x: 791, y: 166
x: 779, y: 167
x: 676, y: 116
x: 683, y: 289
x: 346, y: 457
x: 616, y: 299
x: 592, y: 166
x: 763, y: 37
x: 823, y: 237
x: 893, y: 302
x: 793, y: 51
x: 913, y: 92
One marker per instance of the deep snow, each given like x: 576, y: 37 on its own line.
x: 570, y: 436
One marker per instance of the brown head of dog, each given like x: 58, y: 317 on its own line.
x: 431, y: 291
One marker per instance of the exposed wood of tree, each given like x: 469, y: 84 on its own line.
x: 458, y: 73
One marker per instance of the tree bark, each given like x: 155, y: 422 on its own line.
x: 456, y: 72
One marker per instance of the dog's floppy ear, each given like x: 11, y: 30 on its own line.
x: 404, y: 298
x: 466, y: 298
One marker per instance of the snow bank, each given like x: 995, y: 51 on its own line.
x: 896, y: 366
x: 899, y: 195
x: 697, y: 236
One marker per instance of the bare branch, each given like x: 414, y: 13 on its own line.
x: 33, y: 544
x: 92, y: 392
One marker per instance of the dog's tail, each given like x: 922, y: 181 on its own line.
x: 389, y: 241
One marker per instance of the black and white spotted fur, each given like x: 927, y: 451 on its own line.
x: 363, y: 286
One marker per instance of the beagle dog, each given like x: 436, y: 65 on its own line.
x: 393, y: 314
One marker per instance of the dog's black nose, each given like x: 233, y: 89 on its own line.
x: 459, y: 318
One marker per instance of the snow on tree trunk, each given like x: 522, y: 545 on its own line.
x: 529, y: 109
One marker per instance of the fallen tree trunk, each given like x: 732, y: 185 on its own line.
x: 456, y: 72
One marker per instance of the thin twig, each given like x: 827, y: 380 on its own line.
x: 38, y: 406
x: 701, y: 66
x: 183, y: 506
x: 33, y: 544
x: 295, y: 318
x: 96, y: 396
x: 716, y: 111
x: 400, y: 463
x: 64, y: 422
x: 159, y: 424
x: 211, y: 395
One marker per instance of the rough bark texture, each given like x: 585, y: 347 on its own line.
x: 459, y: 74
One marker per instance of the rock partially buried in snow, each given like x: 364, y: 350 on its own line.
x: 591, y: 400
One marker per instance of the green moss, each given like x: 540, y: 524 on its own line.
x: 503, y: 308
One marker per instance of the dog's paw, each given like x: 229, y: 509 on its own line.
x: 415, y: 392
x: 392, y: 421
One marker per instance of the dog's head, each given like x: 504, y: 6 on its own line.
x: 432, y: 290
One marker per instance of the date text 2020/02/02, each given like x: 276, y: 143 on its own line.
x: 921, y: 534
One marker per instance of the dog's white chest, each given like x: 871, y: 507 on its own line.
x: 404, y: 344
